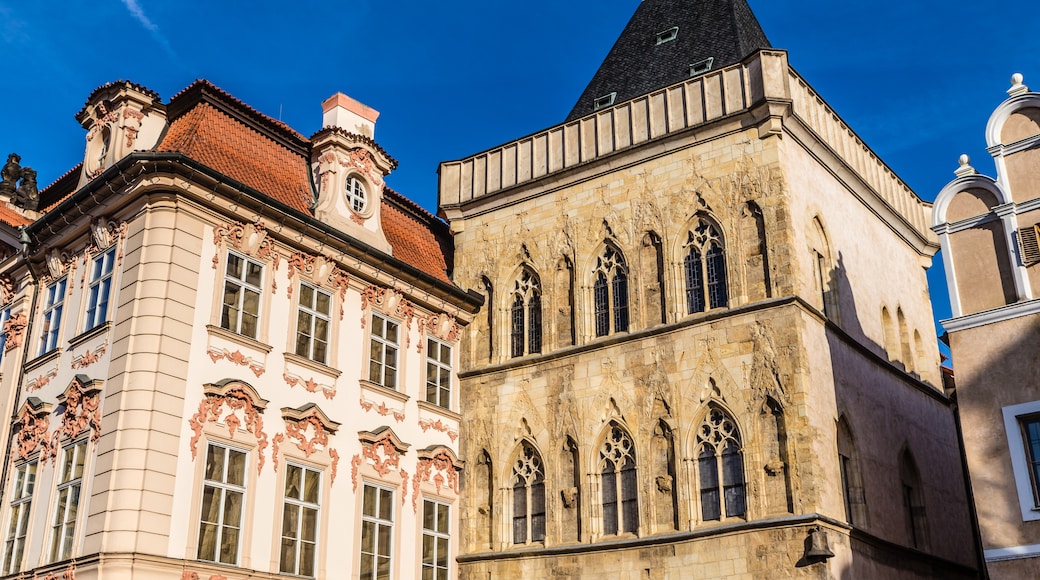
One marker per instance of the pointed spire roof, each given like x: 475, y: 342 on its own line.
x: 646, y: 57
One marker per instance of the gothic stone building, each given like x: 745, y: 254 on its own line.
x: 988, y: 228
x: 707, y: 347
x: 230, y: 353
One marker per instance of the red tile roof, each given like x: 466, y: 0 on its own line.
x: 12, y: 218
x: 416, y: 236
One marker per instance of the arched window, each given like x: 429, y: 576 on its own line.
x: 851, y: 479
x: 913, y: 500
x: 526, y: 315
x: 720, y: 467
x: 618, y: 471
x: 528, y: 496
x: 610, y: 291
x: 705, y: 266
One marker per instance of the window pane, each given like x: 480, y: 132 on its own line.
x: 312, y: 483
x: 620, y: 301
x: 293, y: 475
x: 290, y: 520
x: 309, y: 531
x: 236, y: 467
x: 600, y: 303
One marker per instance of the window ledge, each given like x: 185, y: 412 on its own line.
x: 41, y: 360
x: 238, y: 338
x: 312, y: 365
x: 438, y: 410
x: 89, y: 334
x: 385, y: 391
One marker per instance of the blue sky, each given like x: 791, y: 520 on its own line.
x: 916, y: 80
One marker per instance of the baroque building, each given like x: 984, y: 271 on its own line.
x: 988, y: 228
x: 230, y: 352
x: 707, y: 348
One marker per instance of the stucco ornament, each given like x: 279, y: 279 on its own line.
x: 14, y: 331
x: 32, y: 426
x: 440, y: 466
x: 237, y: 401
x: 82, y: 402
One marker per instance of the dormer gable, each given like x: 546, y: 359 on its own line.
x: 350, y: 169
x: 120, y: 118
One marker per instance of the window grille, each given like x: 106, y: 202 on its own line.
x: 528, y: 497
x: 618, y: 483
x: 720, y: 467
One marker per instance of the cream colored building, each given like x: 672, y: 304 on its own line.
x: 230, y: 353
x: 989, y: 228
x: 707, y: 347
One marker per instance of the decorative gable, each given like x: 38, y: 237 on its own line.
x: 120, y: 118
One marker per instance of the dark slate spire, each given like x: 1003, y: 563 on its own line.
x: 643, y: 61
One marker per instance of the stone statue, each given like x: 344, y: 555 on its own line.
x: 10, y: 174
x: 27, y: 196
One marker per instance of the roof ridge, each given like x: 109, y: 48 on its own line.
x: 126, y: 83
x: 408, y: 203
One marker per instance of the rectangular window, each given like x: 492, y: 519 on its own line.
x: 377, y: 526
x: 5, y: 315
x: 18, y: 527
x: 312, y: 323
x: 300, y: 520
x: 382, y: 364
x: 438, y: 373
x: 70, y: 484
x: 53, y: 304
x: 223, y: 492
x: 242, y: 282
x: 436, y: 536
x: 1031, y: 436
x: 100, y: 288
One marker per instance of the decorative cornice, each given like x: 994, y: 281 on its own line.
x: 1016, y: 310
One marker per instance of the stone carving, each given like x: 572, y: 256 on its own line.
x: 384, y: 453
x: 441, y: 469
x: 276, y: 443
x: 317, y: 269
x: 443, y: 326
x: 335, y: 464
x: 32, y: 429
x: 390, y: 302
x: 382, y: 409
x: 237, y: 358
x: 82, y: 410
x: 569, y: 497
x: 310, y: 385
x: 236, y: 400
x: 439, y: 425
x: 19, y: 183
x: 89, y: 357
x: 298, y: 430
x: 664, y: 483
x: 250, y: 239
x: 7, y: 289
x: 404, y: 486
x: 41, y: 381
x: 189, y: 575
x: 14, y: 331
x: 341, y: 281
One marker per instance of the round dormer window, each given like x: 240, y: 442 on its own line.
x: 356, y: 198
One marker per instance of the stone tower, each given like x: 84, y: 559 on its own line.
x: 706, y: 349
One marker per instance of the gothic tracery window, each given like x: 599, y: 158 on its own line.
x: 528, y: 496
x: 720, y: 467
x: 618, y: 485
x: 526, y: 316
x: 705, y: 268
x: 610, y: 293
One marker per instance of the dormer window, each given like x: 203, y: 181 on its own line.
x: 702, y: 66
x: 604, y: 101
x: 668, y: 35
x: 356, y: 197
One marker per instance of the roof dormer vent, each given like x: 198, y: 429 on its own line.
x: 702, y: 66
x: 604, y: 101
x: 668, y: 35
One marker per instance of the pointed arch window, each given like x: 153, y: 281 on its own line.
x: 618, y: 484
x: 720, y: 467
x: 610, y: 293
x: 913, y: 500
x: 528, y: 496
x: 705, y: 268
x: 526, y: 316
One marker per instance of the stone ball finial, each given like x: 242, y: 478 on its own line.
x: 965, y: 168
x: 1017, y: 86
x: 964, y: 159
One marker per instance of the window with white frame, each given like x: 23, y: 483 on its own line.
x: 66, y: 510
x: 312, y: 323
x: 100, y: 288
x: 242, y: 288
x: 18, y: 526
x: 5, y: 315
x: 382, y: 362
x: 300, y: 520
x: 1022, y: 427
x: 53, y: 305
x: 377, y: 527
x: 435, y: 541
x: 356, y: 194
x: 223, y: 495
x: 438, y: 373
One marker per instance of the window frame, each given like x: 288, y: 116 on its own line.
x: 715, y: 460
x: 97, y: 300
x: 705, y: 276
x: 351, y: 185
x: 525, y: 315
x: 51, y: 317
x: 1028, y: 490
x: 65, y: 530
x: 224, y: 487
x: 623, y: 480
x: 225, y: 321
x: 385, y: 345
x: 20, y: 507
x: 611, y: 296
x: 532, y: 487
x: 443, y: 392
x: 438, y: 572
x: 314, y: 316
x: 378, y: 522
x: 301, y: 504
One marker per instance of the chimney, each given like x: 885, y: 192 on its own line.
x: 347, y: 114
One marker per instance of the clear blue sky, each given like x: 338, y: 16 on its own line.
x: 916, y: 80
